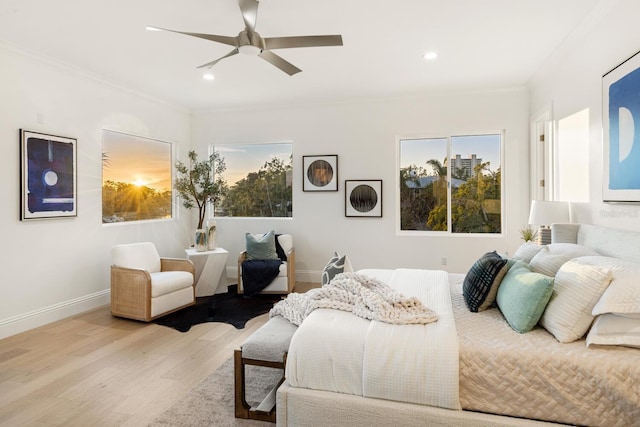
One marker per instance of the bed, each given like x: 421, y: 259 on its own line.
x: 499, y: 378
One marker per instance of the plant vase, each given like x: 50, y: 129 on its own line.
x: 211, y: 234
x: 201, y: 240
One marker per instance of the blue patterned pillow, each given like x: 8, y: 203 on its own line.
x: 333, y: 268
x: 481, y: 283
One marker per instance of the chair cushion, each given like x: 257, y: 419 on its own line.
x: 286, y: 242
x: 136, y: 255
x: 165, y: 282
x: 261, y: 247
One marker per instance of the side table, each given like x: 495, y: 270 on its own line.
x: 210, y: 266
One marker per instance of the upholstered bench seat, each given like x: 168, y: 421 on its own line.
x: 268, y: 346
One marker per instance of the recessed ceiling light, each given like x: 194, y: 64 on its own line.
x: 430, y: 55
x: 208, y: 75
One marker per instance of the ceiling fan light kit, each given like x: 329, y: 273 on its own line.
x: 250, y: 42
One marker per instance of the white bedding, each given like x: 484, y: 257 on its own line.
x: 337, y: 351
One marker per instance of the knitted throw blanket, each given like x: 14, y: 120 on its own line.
x: 359, y: 294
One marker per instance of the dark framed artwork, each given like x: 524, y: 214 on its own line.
x: 363, y: 198
x: 320, y: 173
x: 48, y: 176
x: 620, y: 113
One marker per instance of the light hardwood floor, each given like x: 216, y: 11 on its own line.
x: 97, y: 370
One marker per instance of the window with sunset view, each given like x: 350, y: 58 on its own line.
x: 136, y: 178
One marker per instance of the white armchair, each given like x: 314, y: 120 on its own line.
x: 286, y: 280
x: 145, y: 286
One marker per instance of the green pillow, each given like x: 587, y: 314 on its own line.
x: 261, y: 247
x: 523, y: 295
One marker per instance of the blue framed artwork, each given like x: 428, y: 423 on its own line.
x: 621, y: 126
x: 48, y: 176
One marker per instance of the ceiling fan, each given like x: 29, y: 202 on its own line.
x: 250, y: 42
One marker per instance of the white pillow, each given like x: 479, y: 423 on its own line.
x: 610, y: 329
x: 526, y: 251
x: 547, y: 263
x: 576, y: 290
x: 571, y: 250
x: 613, y: 264
x: 622, y: 297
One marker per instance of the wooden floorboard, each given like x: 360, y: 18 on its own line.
x: 94, y: 369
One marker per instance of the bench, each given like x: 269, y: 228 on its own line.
x: 267, y: 346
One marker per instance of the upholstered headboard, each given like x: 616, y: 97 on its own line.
x: 623, y: 244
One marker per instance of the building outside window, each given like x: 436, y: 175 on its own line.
x: 451, y: 184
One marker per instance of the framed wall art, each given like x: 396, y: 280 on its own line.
x: 363, y: 198
x: 320, y: 173
x: 620, y: 113
x: 48, y: 176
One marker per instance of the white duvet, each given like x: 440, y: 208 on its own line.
x: 337, y: 351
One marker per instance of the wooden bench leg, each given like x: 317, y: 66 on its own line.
x: 266, y: 411
x: 242, y: 407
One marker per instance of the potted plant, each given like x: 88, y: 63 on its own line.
x: 199, y: 183
x: 528, y: 234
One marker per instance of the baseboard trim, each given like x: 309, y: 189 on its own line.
x: 43, y: 316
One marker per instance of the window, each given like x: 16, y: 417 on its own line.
x: 451, y: 184
x: 572, y: 166
x: 136, y: 178
x: 259, y: 178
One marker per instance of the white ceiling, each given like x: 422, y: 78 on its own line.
x: 481, y: 44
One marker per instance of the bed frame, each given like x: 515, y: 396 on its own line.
x: 307, y: 408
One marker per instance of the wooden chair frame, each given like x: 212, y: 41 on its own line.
x: 131, y: 289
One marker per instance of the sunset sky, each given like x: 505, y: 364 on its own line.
x: 136, y: 160
x: 242, y: 159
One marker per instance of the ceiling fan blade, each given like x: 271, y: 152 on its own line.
x: 302, y: 41
x: 212, y: 63
x: 274, y: 59
x: 231, y: 41
x: 249, y: 9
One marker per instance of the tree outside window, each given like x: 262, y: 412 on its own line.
x: 456, y: 194
x: 260, y: 180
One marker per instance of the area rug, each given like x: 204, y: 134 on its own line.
x: 229, y: 307
x: 211, y: 403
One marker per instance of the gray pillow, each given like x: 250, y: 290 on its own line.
x: 333, y: 268
x: 261, y: 247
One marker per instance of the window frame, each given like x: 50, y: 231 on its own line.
x: 212, y: 147
x: 449, y: 136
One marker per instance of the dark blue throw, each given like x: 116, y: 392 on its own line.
x: 258, y: 274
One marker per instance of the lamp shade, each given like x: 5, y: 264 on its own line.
x: 545, y: 213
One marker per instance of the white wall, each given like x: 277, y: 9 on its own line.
x: 572, y: 81
x: 59, y: 267
x: 363, y: 134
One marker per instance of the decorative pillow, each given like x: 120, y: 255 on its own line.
x: 481, y: 282
x: 547, y: 263
x: 576, y: 290
x: 571, y: 250
x: 527, y: 251
x: 261, y: 247
x: 610, y: 329
x: 337, y: 264
x: 523, y: 296
x: 622, y: 297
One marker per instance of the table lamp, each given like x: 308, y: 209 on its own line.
x: 544, y: 213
